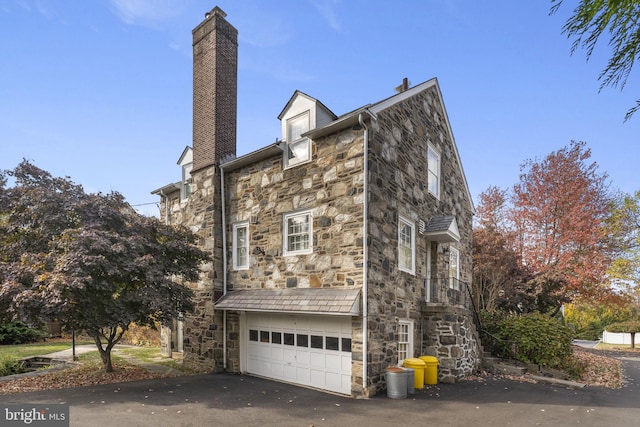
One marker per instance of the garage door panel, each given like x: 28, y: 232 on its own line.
x: 289, y: 356
x: 303, y: 357
x: 308, y: 350
x: 346, y: 364
x: 317, y: 360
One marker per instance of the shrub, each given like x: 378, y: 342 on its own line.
x: 10, y: 366
x: 18, y: 332
x: 529, y: 338
x: 142, y: 336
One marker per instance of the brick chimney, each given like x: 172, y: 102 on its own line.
x: 215, y: 89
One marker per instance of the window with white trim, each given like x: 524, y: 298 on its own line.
x: 298, y: 233
x: 185, y: 184
x: 433, y: 170
x: 406, y: 245
x: 299, y: 148
x: 454, y: 268
x: 241, y: 246
x: 405, y: 340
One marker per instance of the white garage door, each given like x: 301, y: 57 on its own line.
x: 309, y: 350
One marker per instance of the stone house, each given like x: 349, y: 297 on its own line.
x: 339, y: 250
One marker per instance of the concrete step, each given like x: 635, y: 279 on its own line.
x: 497, y: 365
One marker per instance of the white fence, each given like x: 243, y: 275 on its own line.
x: 618, y: 338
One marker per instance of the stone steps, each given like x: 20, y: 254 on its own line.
x: 497, y: 365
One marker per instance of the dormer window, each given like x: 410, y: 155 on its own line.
x: 299, y: 148
x: 185, y: 184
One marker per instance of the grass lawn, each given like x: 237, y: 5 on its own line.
x: 19, y: 351
x: 626, y: 347
x: 146, y: 354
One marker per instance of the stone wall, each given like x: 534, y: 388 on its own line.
x: 450, y: 334
x: 398, y: 171
x: 331, y: 186
x: 200, y: 213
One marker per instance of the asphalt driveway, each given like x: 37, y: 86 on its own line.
x: 236, y: 400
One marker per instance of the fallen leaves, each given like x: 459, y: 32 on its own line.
x: 87, y: 374
x: 599, y: 370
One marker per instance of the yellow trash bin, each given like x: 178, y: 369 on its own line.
x: 430, y: 369
x: 418, y: 371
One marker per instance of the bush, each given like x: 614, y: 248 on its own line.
x: 143, y: 336
x: 529, y: 338
x: 10, y: 366
x: 19, y: 333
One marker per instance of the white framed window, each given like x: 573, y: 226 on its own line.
x: 454, y: 268
x: 406, y: 245
x: 299, y: 148
x: 405, y: 340
x: 185, y: 184
x: 433, y: 170
x: 298, y: 233
x: 241, y: 246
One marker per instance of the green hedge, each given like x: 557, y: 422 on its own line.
x: 19, y: 333
x: 529, y: 338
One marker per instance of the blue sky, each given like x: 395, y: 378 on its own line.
x: 101, y: 90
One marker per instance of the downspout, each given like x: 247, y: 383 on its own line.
x: 224, y: 268
x: 365, y: 258
x: 166, y: 222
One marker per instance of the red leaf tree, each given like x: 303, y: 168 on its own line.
x: 89, y: 260
x: 553, y: 224
x: 559, y: 210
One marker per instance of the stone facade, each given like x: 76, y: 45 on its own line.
x: 398, y: 158
x: 337, y: 188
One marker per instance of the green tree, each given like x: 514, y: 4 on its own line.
x: 629, y: 327
x: 589, y: 318
x: 592, y: 18
x: 89, y: 260
x: 624, y: 224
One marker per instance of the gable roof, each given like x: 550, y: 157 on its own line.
x: 372, y: 110
x: 442, y: 229
x: 297, y: 94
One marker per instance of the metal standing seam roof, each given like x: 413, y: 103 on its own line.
x: 331, y: 301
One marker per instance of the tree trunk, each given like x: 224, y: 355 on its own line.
x: 633, y: 340
x: 105, y: 353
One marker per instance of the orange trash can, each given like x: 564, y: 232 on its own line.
x: 430, y: 369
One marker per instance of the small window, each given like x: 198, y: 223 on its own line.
x: 298, y: 148
x: 276, y: 337
x: 298, y: 233
x: 303, y: 340
x: 433, y: 173
x: 346, y: 345
x: 406, y: 245
x: 241, y: 246
x: 264, y: 336
x: 405, y: 340
x: 454, y: 268
x: 333, y: 343
x: 289, y: 339
x: 253, y: 335
x: 185, y: 185
x: 317, y: 341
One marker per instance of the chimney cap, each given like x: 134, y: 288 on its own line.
x: 215, y: 11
